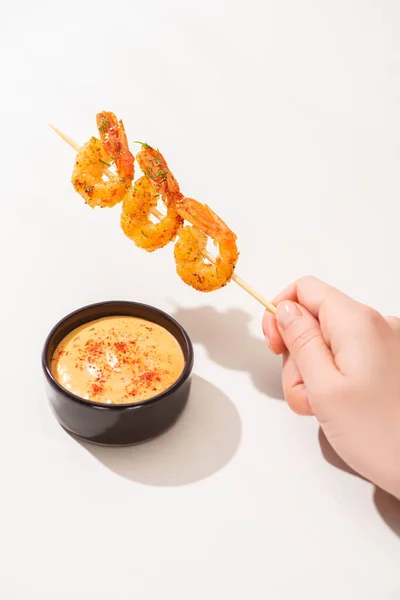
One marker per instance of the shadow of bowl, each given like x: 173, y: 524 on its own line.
x: 202, y: 441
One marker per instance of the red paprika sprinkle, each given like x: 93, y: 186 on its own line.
x: 121, y: 346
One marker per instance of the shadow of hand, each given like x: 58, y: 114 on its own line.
x: 387, y: 506
x: 230, y: 343
x: 204, y: 439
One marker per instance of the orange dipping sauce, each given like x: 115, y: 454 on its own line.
x: 118, y: 360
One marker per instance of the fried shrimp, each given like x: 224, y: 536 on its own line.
x: 190, y: 264
x: 113, y: 136
x: 157, y: 182
x: 94, y: 158
x: 135, y: 217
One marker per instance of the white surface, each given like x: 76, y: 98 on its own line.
x: 284, y: 116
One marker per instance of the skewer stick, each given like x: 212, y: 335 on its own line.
x: 268, y: 305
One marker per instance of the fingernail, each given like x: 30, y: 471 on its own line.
x: 269, y: 345
x: 287, y: 313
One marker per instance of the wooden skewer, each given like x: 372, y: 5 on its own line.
x: 268, y: 305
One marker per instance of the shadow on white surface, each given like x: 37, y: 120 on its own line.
x: 203, y: 440
x: 387, y: 506
x: 230, y: 343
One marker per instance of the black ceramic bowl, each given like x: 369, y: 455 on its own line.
x: 117, y: 424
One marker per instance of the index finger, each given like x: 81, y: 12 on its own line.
x: 311, y: 293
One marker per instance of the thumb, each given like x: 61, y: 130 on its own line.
x: 303, y: 337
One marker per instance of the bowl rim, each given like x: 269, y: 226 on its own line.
x: 187, y: 369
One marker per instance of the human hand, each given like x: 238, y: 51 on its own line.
x: 341, y: 363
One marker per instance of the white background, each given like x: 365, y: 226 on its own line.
x: 285, y: 118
